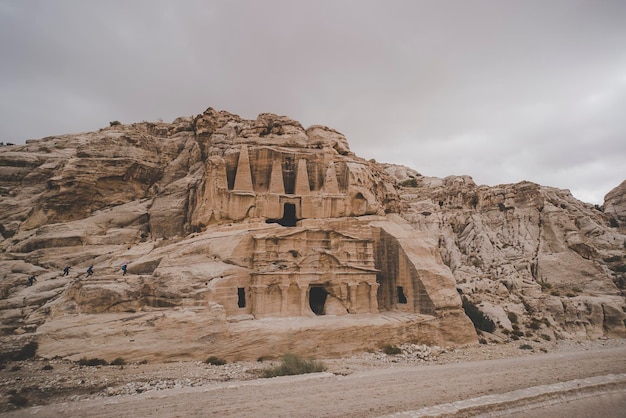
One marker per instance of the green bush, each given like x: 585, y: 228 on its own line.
x: 512, y: 317
x: 526, y: 347
x: 118, y: 362
x: 478, y: 318
x: 546, y: 337
x: 292, y: 364
x: 215, y: 361
x: 391, y: 350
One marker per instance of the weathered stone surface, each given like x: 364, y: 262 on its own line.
x: 615, y: 206
x: 535, y: 251
x: 252, y: 238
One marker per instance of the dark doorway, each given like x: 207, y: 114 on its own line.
x: 241, y: 297
x: 401, y: 297
x: 289, y: 216
x: 317, y: 299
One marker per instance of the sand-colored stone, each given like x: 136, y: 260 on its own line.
x: 250, y: 237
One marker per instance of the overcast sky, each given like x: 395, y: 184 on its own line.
x: 503, y: 91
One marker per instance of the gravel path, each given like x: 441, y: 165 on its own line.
x: 364, y: 385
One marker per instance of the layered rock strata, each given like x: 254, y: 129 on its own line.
x: 243, y: 238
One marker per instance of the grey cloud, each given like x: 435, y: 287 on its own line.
x: 500, y: 90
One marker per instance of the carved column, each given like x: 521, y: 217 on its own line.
x: 352, y: 291
x: 303, y: 304
x: 257, y: 294
x: 243, y: 176
x: 284, y: 294
x: 330, y: 181
x: 374, y: 297
x: 302, y: 179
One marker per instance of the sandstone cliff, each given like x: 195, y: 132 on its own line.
x: 252, y: 238
x: 535, y: 259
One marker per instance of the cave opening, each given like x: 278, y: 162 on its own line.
x: 317, y: 299
x: 401, y: 296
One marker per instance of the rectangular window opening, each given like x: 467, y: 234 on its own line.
x: 401, y: 297
x: 241, y: 297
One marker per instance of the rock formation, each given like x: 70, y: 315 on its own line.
x: 253, y: 238
x: 535, y: 259
x: 243, y: 238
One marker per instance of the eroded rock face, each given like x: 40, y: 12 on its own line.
x: 615, y: 206
x: 529, y: 250
x: 252, y: 238
x: 221, y: 221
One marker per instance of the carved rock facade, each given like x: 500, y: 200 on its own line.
x: 225, y: 224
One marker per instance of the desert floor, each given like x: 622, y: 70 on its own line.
x: 564, y: 378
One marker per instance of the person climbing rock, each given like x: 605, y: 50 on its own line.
x: 89, y: 271
x: 124, y: 267
x: 32, y: 279
x: 66, y: 271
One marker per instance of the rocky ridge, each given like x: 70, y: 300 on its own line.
x: 533, y: 258
x: 213, y: 212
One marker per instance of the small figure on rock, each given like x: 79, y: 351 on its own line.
x: 32, y: 279
x: 89, y: 271
x: 124, y: 267
x: 66, y: 271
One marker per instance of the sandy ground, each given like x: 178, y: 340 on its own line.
x: 363, y: 385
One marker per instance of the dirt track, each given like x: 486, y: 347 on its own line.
x: 367, y: 393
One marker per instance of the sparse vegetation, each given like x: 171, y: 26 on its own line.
x: 526, y: 347
x: 92, y: 362
x: 391, y: 350
x: 115, y: 123
x: 535, y: 324
x: 292, y: 364
x: 47, y: 367
x: 555, y: 293
x: 545, y: 285
x: 118, y: 362
x: 546, y: 337
x: 479, y: 319
x: 18, y: 400
x: 410, y: 182
x: 28, y: 351
x: 215, y: 361
x: 512, y: 317
x: 620, y: 268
